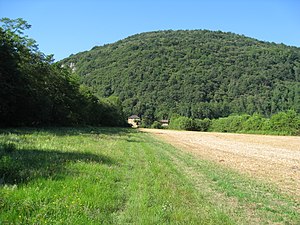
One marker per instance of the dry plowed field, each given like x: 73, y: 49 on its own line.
x: 274, y: 159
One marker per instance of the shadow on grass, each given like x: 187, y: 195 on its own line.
x: 22, y: 166
x: 69, y: 131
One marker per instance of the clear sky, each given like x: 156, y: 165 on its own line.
x: 63, y: 27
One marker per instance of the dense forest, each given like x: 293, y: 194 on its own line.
x: 35, y: 91
x: 193, y: 73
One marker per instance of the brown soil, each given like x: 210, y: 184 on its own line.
x: 273, y: 159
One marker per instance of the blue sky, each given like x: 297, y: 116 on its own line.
x: 63, y: 27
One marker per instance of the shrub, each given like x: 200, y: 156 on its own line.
x: 146, y: 122
x: 156, y: 125
x: 231, y: 123
x: 182, y: 123
x: 254, y: 123
x: 286, y: 121
x: 202, y: 125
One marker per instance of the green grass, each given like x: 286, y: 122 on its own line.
x: 121, y: 176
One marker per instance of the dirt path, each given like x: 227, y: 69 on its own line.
x: 274, y: 159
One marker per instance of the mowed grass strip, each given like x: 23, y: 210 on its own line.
x: 95, y: 176
x: 121, y: 176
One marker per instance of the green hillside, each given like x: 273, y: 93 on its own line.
x: 194, y: 73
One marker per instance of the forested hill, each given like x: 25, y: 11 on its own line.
x: 194, y: 73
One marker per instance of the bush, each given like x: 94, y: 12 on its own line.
x: 202, y: 125
x: 231, y: 123
x: 286, y: 121
x: 182, y: 123
x: 146, y: 122
x: 254, y: 123
x: 156, y: 125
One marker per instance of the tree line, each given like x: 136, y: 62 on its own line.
x: 287, y: 123
x: 35, y: 91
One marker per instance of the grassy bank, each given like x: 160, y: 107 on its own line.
x: 121, y: 176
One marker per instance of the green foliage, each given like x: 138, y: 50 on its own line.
x: 146, y: 122
x: 280, y: 123
x: 185, y: 123
x: 34, y: 91
x: 202, y: 125
x: 195, y: 73
x: 287, y: 123
x: 181, y: 123
x: 254, y: 122
x: 156, y: 125
x: 231, y: 123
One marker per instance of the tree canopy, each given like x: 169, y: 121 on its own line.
x: 35, y: 91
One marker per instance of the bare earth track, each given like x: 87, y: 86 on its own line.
x: 274, y: 159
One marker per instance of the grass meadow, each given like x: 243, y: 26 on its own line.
x: 122, y: 176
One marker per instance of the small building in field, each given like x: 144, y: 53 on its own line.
x: 164, y: 123
x: 134, y: 120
